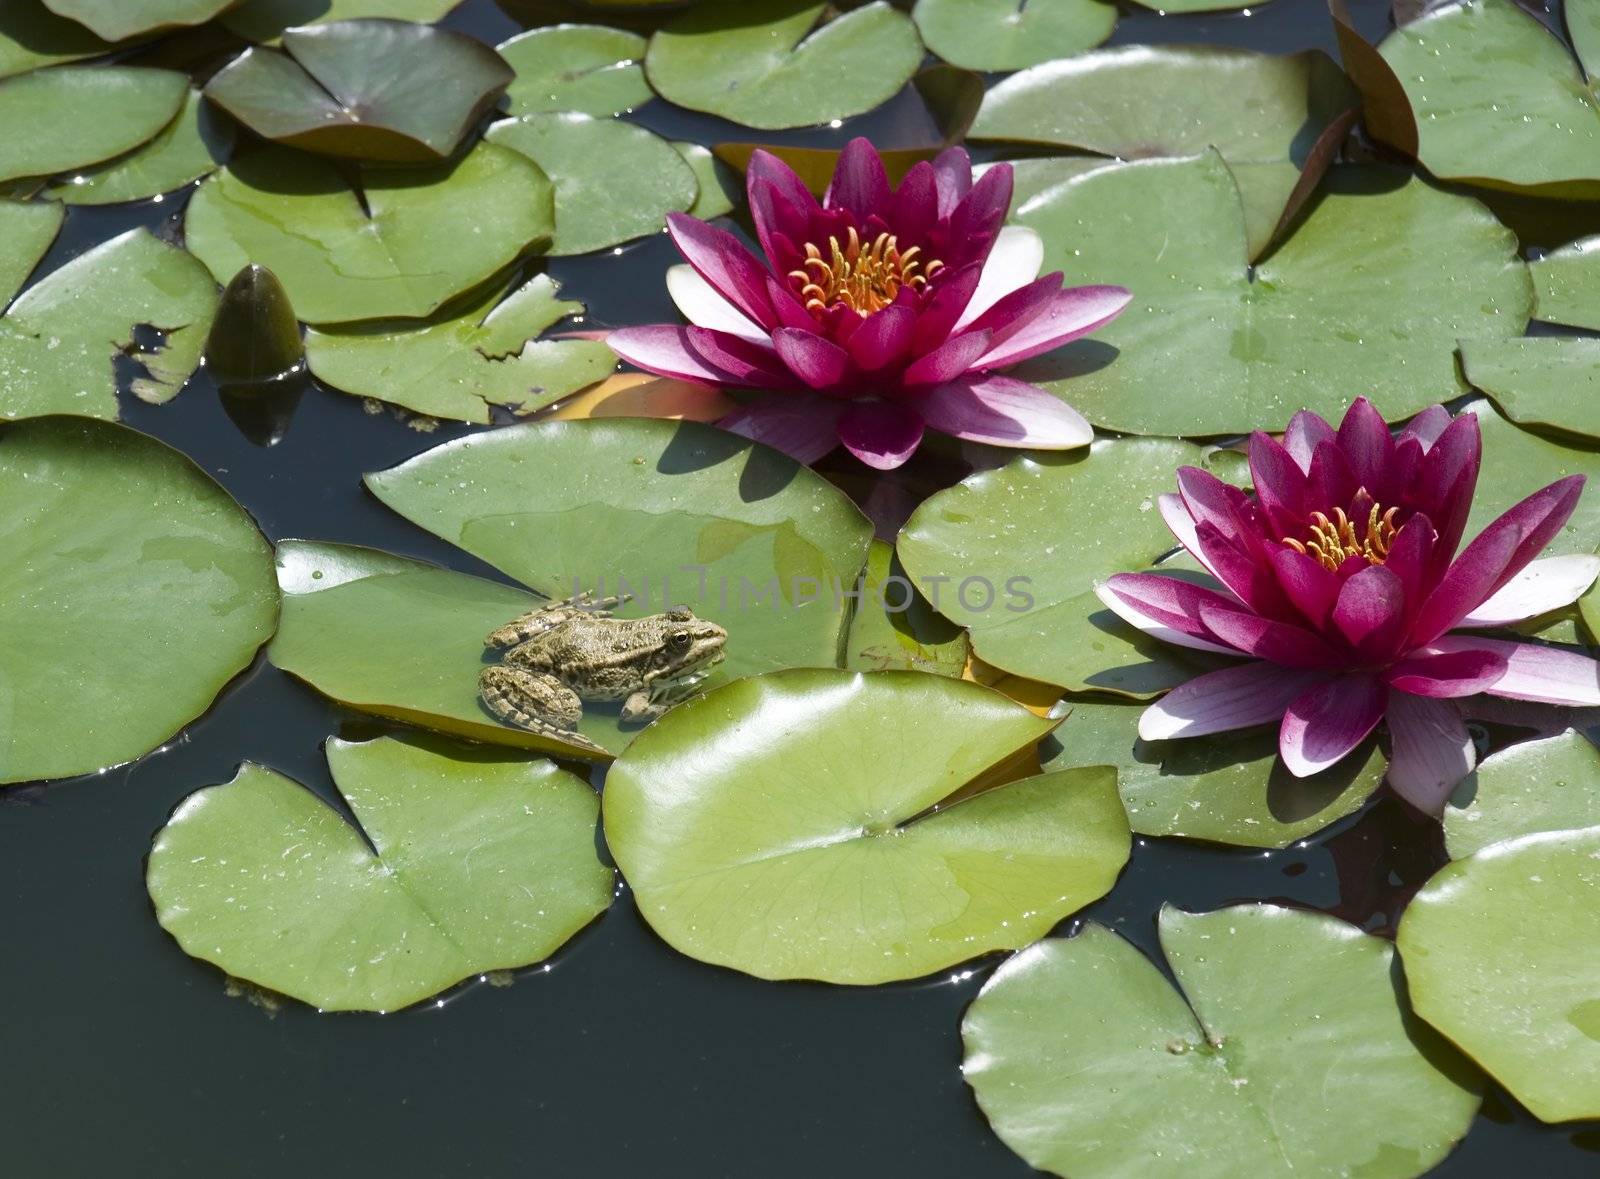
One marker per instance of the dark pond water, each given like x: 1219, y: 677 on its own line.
x: 123, y: 1057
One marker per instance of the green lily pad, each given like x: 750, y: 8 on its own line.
x: 1498, y: 100
x: 673, y: 513
x: 1286, y: 1034
x: 265, y: 20
x: 767, y: 64
x: 587, y: 68
x: 720, y: 189
x: 72, y: 116
x: 413, y: 239
x: 117, y: 20
x: 1542, y: 381
x: 1517, y: 463
x: 32, y: 36
x: 107, y: 530
x: 1013, y: 554
x: 1372, y: 291
x: 1231, y: 788
x: 1011, y: 34
x: 1139, y: 101
x: 614, y: 181
x: 466, y: 861
x: 894, y: 626
x: 194, y: 144
x: 1502, y: 955
x: 805, y: 849
x: 60, y: 339
x: 460, y: 365
x: 398, y: 638
x: 388, y: 91
x: 26, y: 231
x: 1567, y: 284
x: 1183, y: 7
x: 1551, y: 784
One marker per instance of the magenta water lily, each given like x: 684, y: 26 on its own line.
x: 1341, y: 582
x: 877, y: 314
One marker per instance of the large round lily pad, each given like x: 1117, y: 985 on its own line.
x: 411, y: 241
x: 1013, y: 554
x: 1551, y: 784
x: 587, y: 68
x: 116, y: 20
x: 61, y: 339
x: 1502, y: 954
x: 804, y: 849
x: 195, y: 144
x: 1498, y: 100
x: 458, y: 365
x: 1011, y: 34
x: 767, y: 64
x: 1369, y: 295
x: 614, y: 181
x: 59, y: 119
x: 384, y: 90
x: 1286, y: 1052
x: 1231, y: 788
x: 132, y: 590
x: 466, y: 861
x: 265, y: 20
x: 1540, y: 381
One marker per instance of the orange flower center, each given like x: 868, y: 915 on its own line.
x: 863, y: 278
x: 1333, y: 542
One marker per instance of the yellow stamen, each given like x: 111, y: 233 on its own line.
x: 1333, y: 542
x: 863, y: 279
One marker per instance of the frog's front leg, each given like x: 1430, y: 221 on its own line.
x: 534, y: 701
x: 551, y: 615
x: 648, y: 703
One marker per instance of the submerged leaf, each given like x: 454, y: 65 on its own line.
x: 806, y: 849
x: 767, y: 64
x: 460, y: 365
x: 109, y: 532
x: 477, y: 861
x: 412, y: 240
x: 1286, y: 1031
x: 382, y: 90
x: 73, y: 116
x: 60, y: 340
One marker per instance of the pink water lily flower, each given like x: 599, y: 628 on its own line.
x: 1342, y: 585
x: 877, y: 314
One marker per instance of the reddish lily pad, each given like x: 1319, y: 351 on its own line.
x: 383, y: 90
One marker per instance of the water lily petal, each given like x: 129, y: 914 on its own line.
x: 750, y: 365
x: 916, y: 205
x: 723, y: 262
x: 1331, y: 481
x: 973, y: 228
x: 952, y: 359
x: 1411, y: 558
x: 1219, y: 701
x: 672, y: 351
x: 1012, y: 264
x: 1448, y: 477
x: 1496, y: 555
x: 1264, y: 638
x: 860, y: 185
x: 805, y: 426
x: 1065, y: 315
x: 1546, y: 584
x: 1175, y: 513
x: 818, y: 362
x: 1004, y: 411
x: 952, y: 173
x: 1446, y: 674
x: 703, y: 307
x: 881, y: 434
x: 1427, y: 426
x: 781, y: 206
x: 1249, y: 579
x: 1546, y: 675
x: 950, y: 297
x: 1364, y: 437
x: 884, y: 337
x: 1211, y: 501
x: 1371, y: 613
x: 1280, y: 482
x: 1165, y: 608
x: 1323, y: 724
x: 1430, y: 750
x: 1310, y: 588
x: 1306, y: 432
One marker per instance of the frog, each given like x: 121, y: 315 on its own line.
x: 564, y: 653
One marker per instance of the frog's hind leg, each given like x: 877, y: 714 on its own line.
x: 551, y: 615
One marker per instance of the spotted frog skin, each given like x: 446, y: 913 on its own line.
x: 560, y: 655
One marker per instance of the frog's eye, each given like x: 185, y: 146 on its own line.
x: 679, y: 640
